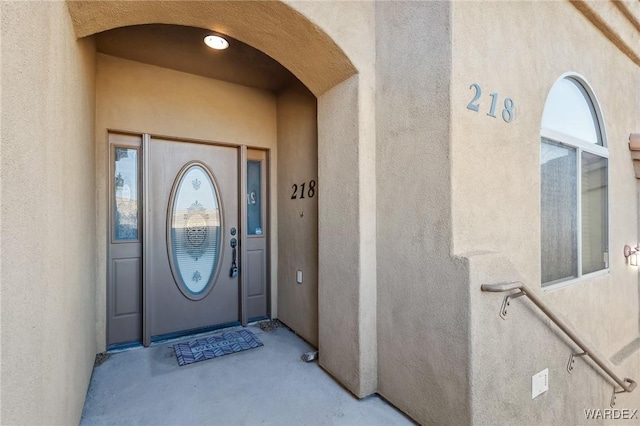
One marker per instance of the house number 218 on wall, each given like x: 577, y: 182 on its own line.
x: 311, y: 191
x: 507, y: 110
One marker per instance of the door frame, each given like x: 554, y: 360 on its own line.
x: 242, y: 222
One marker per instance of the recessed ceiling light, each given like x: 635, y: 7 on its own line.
x: 216, y: 42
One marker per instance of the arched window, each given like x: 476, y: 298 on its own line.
x: 573, y: 184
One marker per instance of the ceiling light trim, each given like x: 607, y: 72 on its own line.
x: 216, y: 42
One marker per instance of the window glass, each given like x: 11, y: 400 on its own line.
x: 254, y: 198
x: 569, y: 110
x: 594, y: 213
x: 126, y: 194
x: 574, y: 230
x: 195, y: 231
x: 558, y: 212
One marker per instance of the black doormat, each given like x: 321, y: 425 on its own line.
x: 215, y: 346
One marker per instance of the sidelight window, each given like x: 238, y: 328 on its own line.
x: 254, y: 197
x: 125, y: 193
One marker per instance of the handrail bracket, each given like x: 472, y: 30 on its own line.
x: 612, y: 403
x: 506, y: 303
x: 572, y: 359
x: 631, y: 386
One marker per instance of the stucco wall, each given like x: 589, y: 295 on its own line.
x: 347, y: 199
x: 523, y: 48
x: 142, y: 98
x: 298, y: 219
x: 422, y: 295
x: 48, y: 215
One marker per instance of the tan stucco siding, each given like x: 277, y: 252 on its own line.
x: 132, y: 95
x: 48, y: 215
x: 347, y: 199
x: 422, y: 296
x: 519, y: 50
x: 142, y: 98
x: 298, y: 221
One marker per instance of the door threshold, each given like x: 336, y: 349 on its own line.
x: 123, y: 347
x: 177, y: 336
x: 191, y: 334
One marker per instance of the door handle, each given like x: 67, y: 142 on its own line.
x: 234, y: 265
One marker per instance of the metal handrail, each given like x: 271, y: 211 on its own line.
x: 627, y: 384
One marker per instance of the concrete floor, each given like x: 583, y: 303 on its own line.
x: 269, y: 385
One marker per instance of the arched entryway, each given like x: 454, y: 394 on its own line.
x: 271, y: 27
x: 346, y: 193
x: 163, y: 81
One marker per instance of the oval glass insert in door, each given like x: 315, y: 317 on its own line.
x: 194, y: 234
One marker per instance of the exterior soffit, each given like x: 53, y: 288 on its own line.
x: 272, y: 27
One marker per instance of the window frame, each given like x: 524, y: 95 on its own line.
x: 580, y: 145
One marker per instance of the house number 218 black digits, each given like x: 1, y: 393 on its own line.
x: 311, y: 190
x: 507, y: 111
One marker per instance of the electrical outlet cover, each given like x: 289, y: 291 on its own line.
x: 539, y: 383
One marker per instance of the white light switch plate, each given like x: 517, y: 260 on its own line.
x: 540, y: 383
x: 299, y: 277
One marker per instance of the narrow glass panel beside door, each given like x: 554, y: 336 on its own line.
x: 254, y: 198
x: 126, y: 194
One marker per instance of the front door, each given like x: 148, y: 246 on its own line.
x: 192, y: 237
